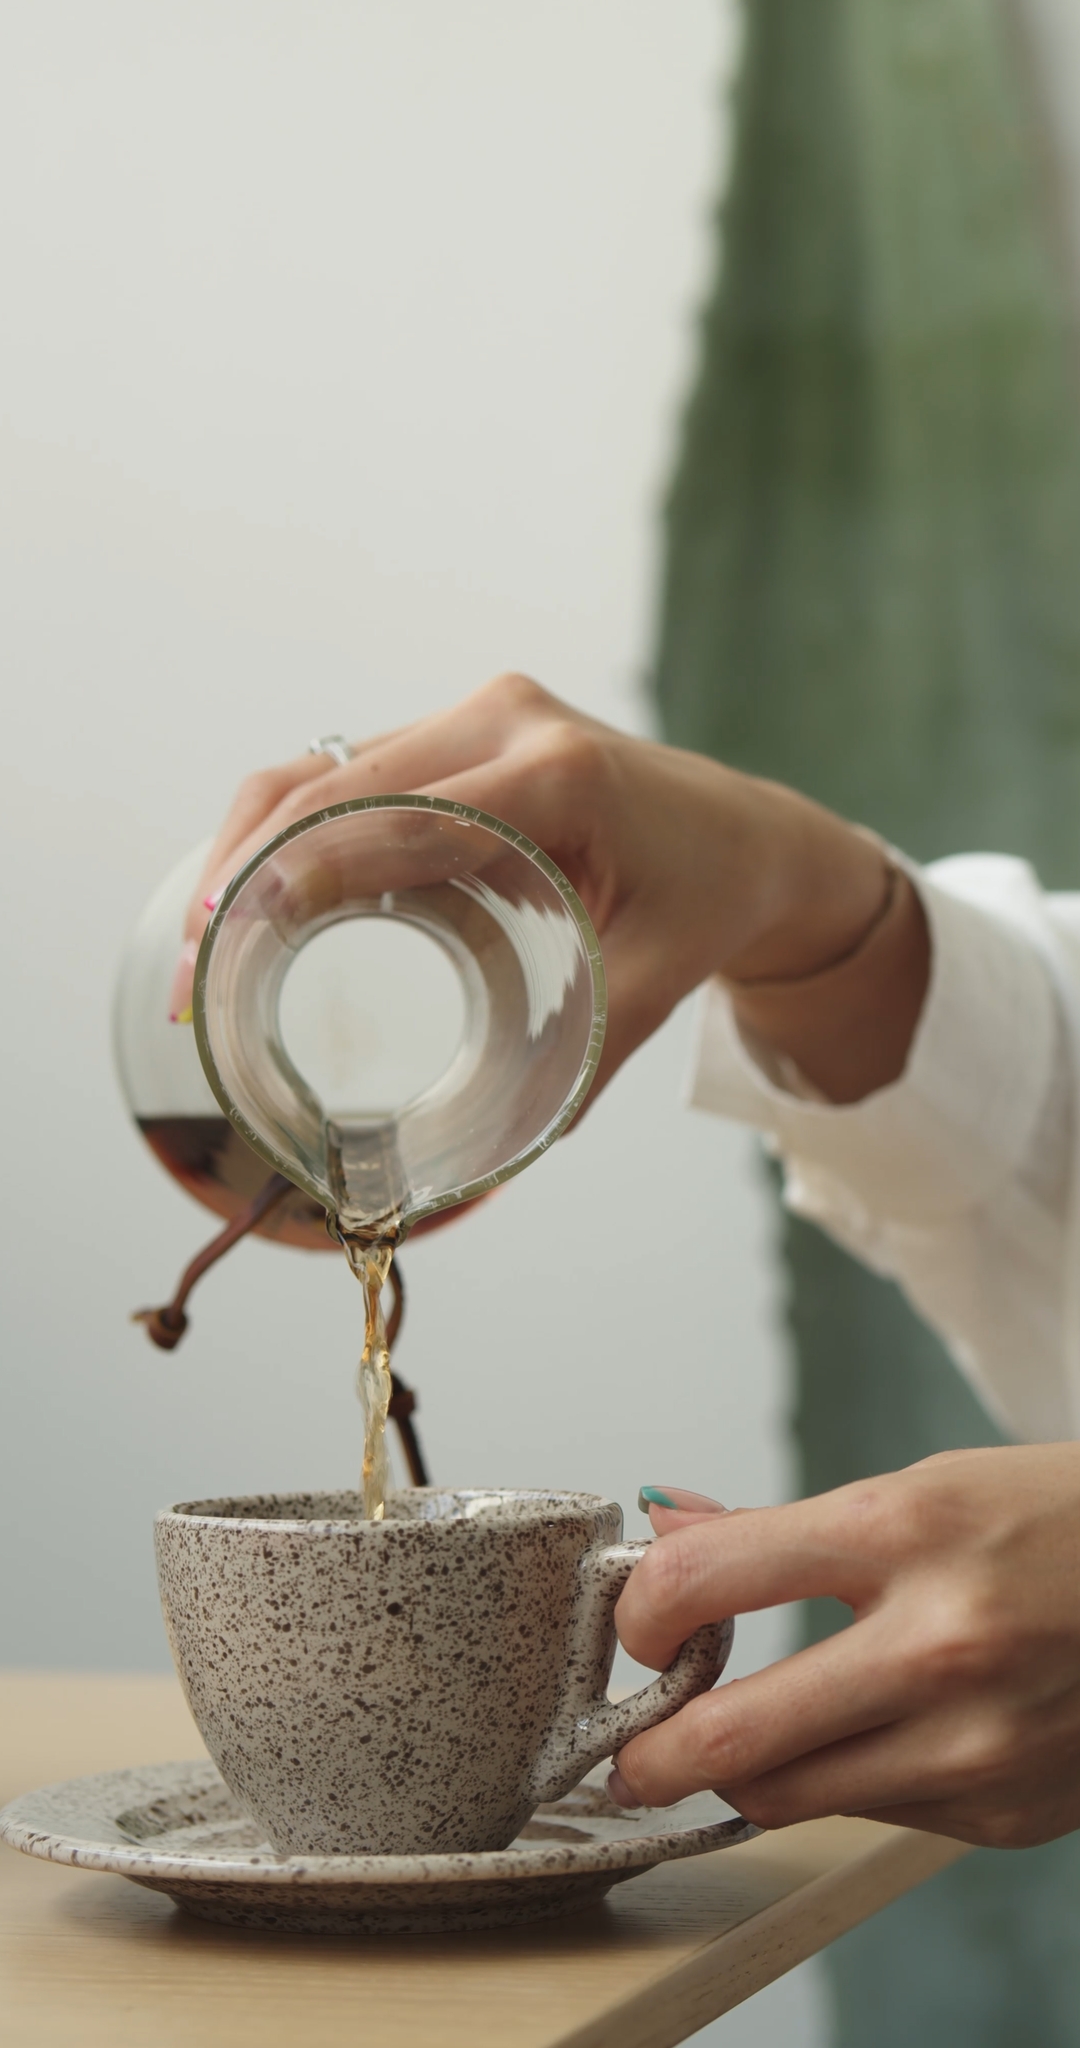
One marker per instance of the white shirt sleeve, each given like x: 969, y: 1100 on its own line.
x: 959, y: 1180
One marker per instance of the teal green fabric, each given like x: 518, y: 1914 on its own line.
x: 872, y: 590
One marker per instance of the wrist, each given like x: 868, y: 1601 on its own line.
x: 814, y: 887
x: 848, y: 1028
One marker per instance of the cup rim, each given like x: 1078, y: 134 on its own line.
x: 467, y: 814
x: 559, y: 1505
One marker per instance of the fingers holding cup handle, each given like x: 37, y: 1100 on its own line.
x: 590, y: 1728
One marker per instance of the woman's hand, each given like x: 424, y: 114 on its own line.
x: 953, y: 1701
x: 686, y: 868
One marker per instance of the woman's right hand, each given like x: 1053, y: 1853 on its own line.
x: 952, y: 1702
x: 686, y: 867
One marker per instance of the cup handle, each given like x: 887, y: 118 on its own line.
x: 589, y: 1728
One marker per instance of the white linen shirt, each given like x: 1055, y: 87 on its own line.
x: 959, y: 1180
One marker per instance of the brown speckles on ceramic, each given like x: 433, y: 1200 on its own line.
x: 177, y: 1829
x: 411, y: 1686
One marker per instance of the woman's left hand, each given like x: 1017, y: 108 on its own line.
x: 952, y: 1703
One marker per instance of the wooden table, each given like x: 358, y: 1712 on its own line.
x: 96, y: 1960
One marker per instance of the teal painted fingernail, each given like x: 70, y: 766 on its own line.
x: 655, y: 1497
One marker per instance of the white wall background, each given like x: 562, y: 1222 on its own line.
x: 341, y: 351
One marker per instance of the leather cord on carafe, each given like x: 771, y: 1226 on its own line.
x: 165, y: 1326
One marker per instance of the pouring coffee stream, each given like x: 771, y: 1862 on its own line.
x: 237, y: 1122
x: 371, y: 1264
x: 166, y: 1326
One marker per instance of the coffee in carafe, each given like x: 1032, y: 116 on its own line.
x: 210, y: 1159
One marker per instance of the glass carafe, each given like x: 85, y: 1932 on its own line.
x: 229, y: 1105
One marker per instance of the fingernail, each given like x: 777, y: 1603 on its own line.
x: 680, y: 1499
x: 619, y: 1792
x: 211, y: 902
x: 183, y: 979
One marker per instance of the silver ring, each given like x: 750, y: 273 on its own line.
x: 336, y: 745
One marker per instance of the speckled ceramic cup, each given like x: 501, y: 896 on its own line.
x: 408, y: 1686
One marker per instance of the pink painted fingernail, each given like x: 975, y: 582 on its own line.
x: 619, y: 1792
x: 183, y: 983
x: 211, y: 902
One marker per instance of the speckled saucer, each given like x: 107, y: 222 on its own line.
x: 177, y: 1829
